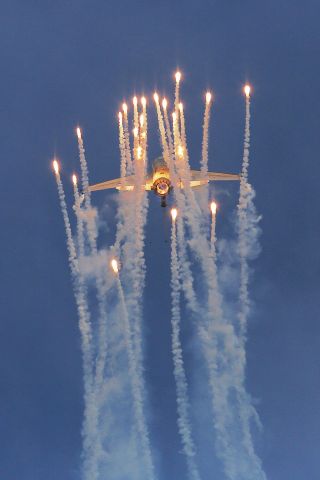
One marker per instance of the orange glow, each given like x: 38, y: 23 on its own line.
x: 208, y: 97
x: 156, y: 97
x: 79, y: 133
x: 135, y: 132
x: 178, y: 76
x: 174, y: 116
x: 174, y: 213
x: 125, y: 108
x: 139, y: 152
x: 74, y: 180
x: 141, y: 120
x: 164, y: 103
x: 247, y: 90
x: 114, y: 265
x: 213, y: 207
x: 55, y: 165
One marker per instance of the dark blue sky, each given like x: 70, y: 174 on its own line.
x: 69, y: 62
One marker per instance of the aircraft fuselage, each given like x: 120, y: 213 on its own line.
x: 161, y: 183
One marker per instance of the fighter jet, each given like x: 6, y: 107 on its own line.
x: 160, y: 182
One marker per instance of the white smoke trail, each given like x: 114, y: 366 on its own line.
x: 183, y: 134
x: 168, y: 128
x: 84, y: 169
x: 91, y: 443
x: 89, y: 216
x: 125, y: 206
x: 213, y: 230
x: 245, y: 203
x: 177, y: 92
x: 127, y: 139
x: 144, y: 131
x: 135, y: 125
x: 205, y: 138
x: 248, y: 233
x: 137, y: 386
x: 187, y: 280
x: 179, y: 372
x: 123, y: 164
x: 176, y: 135
x: 165, y: 148
x: 204, y: 194
x: 77, y: 209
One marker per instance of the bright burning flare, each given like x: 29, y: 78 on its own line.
x: 135, y: 101
x: 164, y: 103
x: 181, y: 107
x: 143, y: 102
x: 174, y: 213
x: 139, y: 152
x: 156, y: 97
x: 120, y: 117
x: 180, y: 151
x: 178, y: 76
x: 213, y: 207
x: 135, y: 132
x: 79, y: 133
x: 55, y: 165
x: 208, y: 97
x: 74, y: 180
x: 247, y: 90
x: 114, y: 265
x: 125, y: 108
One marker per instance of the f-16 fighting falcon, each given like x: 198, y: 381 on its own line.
x: 160, y: 182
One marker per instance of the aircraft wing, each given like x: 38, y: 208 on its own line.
x: 223, y: 176
x: 126, y: 183
x: 197, y: 179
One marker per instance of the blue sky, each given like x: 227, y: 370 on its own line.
x: 70, y: 62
